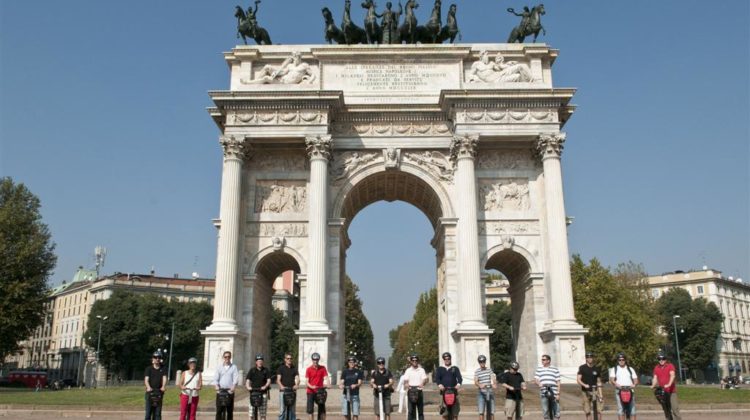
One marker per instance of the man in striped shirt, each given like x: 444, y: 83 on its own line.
x: 485, y: 381
x: 548, y: 377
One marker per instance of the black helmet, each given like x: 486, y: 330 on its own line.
x: 157, y: 354
x: 661, y: 356
x: 351, y: 359
x: 315, y: 356
x: 446, y: 355
x: 380, y: 360
x: 589, y: 354
x: 621, y: 355
x: 514, y: 365
x: 414, y: 356
x: 482, y: 358
x: 259, y: 356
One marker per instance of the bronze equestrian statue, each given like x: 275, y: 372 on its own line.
x: 332, y: 32
x: 247, y: 26
x: 531, y: 24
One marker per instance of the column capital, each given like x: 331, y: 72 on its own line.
x: 234, y: 148
x: 550, y: 145
x: 464, y: 147
x: 318, y: 147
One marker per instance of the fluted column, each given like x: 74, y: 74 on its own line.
x: 319, y: 151
x: 227, y: 259
x: 463, y: 152
x: 549, y: 147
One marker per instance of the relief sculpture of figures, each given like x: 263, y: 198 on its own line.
x: 280, y: 198
x: 531, y: 24
x: 247, y: 25
x: 293, y: 71
x: 435, y: 162
x: 347, y: 163
x: 389, y: 24
x: 505, y: 196
x: 498, y: 71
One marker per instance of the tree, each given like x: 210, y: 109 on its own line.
x: 499, y: 318
x: 357, y: 329
x: 418, y: 336
x: 137, y: 325
x: 619, y: 319
x: 283, y: 339
x: 698, y: 325
x: 633, y: 275
x: 26, y: 262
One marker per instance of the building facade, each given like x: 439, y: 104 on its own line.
x: 732, y: 297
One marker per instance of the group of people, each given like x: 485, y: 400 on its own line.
x: 412, y: 382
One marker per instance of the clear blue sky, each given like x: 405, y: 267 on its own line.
x: 102, y: 115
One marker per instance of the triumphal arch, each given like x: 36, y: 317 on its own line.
x: 469, y: 134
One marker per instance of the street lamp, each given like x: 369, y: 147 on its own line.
x: 98, y: 345
x: 677, y: 345
x: 171, y: 344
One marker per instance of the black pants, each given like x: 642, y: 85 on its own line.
x: 418, y: 406
x: 227, y: 412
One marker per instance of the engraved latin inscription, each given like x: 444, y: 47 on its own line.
x: 404, y: 77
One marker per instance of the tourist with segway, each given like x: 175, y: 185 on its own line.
x: 448, y: 378
x: 257, y: 382
x: 317, y: 382
x: 484, y: 380
x: 415, y: 380
x: 287, y: 378
x: 381, y: 381
x: 665, y: 387
x: 514, y: 385
x: 190, y: 383
x: 351, y: 381
x: 624, y: 378
x: 547, y: 378
x: 225, y: 381
x: 590, y: 379
x: 155, y: 379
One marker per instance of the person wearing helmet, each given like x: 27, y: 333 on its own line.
x: 190, y: 383
x: 287, y: 378
x: 415, y: 379
x: 258, y: 381
x: 317, y: 379
x: 514, y: 385
x: 381, y: 381
x: 351, y: 381
x: 484, y: 379
x: 226, y: 378
x: 155, y: 379
x: 665, y: 376
x: 448, y: 378
x: 548, y: 376
x: 589, y: 376
x: 620, y: 376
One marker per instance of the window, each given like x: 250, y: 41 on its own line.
x: 700, y: 290
x: 655, y: 293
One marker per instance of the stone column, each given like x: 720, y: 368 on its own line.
x: 227, y: 261
x: 319, y: 151
x: 463, y: 152
x: 549, y: 147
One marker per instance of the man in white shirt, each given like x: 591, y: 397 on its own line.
x: 415, y: 379
x: 227, y: 377
x: 546, y: 377
x: 624, y: 377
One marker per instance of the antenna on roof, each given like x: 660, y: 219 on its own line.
x: 100, y: 254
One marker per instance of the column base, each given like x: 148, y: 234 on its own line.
x: 217, y: 342
x: 564, y: 342
x: 313, y: 341
x: 471, y: 342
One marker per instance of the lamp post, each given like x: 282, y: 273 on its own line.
x: 677, y: 345
x: 98, y: 345
x: 171, y: 346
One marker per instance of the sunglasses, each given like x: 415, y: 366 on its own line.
x: 381, y: 363
x: 620, y: 360
x: 227, y: 357
x: 287, y: 358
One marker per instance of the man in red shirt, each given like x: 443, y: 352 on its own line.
x: 317, y: 381
x: 665, y: 377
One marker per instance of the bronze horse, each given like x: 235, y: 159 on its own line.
x: 332, y: 32
x: 408, y: 30
x: 531, y: 24
x: 353, y: 34
x: 248, y: 27
x: 372, y: 29
x: 429, y: 33
x: 450, y: 31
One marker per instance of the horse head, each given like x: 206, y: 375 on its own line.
x: 327, y: 15
x: 239, y: 13
x: 539, y: 9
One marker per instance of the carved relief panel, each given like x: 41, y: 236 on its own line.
x: 284, y: 162
x: 504, y: 194
x: 506, y: 159
x: 278, y: 196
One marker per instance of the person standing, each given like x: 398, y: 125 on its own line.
x: 414, y: 381
x: 514, y: 385
x: 317, y: 381
x: 155, y: 379
x: 351, y: 381
x: 257, y: 381
x: 381, y: 381
x: 665, y: 376
x: 227, y: 377
x: 621, y: 376
x: 287, y: 378
x: 449, y: 379
x: 190, y: 383
x: 545, y: 376
x: 588, y: 376
x: 484, y: 379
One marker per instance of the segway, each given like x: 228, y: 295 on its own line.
x: 663, y: 399
x: 380, y: 402
x: 549, y: 394
x: 321, y: 395
x: 625, y: 394
x: 349, y: 403
x: 412, y: 395
x: 485, y: 391
x: 222, y: 401
x: 256, y: 401
x: 593, y: 390
x: 450, y: 395
x: 289, y: 397
x: 155, y: 399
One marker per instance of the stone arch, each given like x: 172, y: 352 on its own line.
x: 252, y: 267
x: 525, y: 286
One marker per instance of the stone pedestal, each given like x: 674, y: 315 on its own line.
x: 313, y: 342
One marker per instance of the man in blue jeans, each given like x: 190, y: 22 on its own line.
x: 548, y: 376
x: 351, y: 381
x: 155, y: 379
